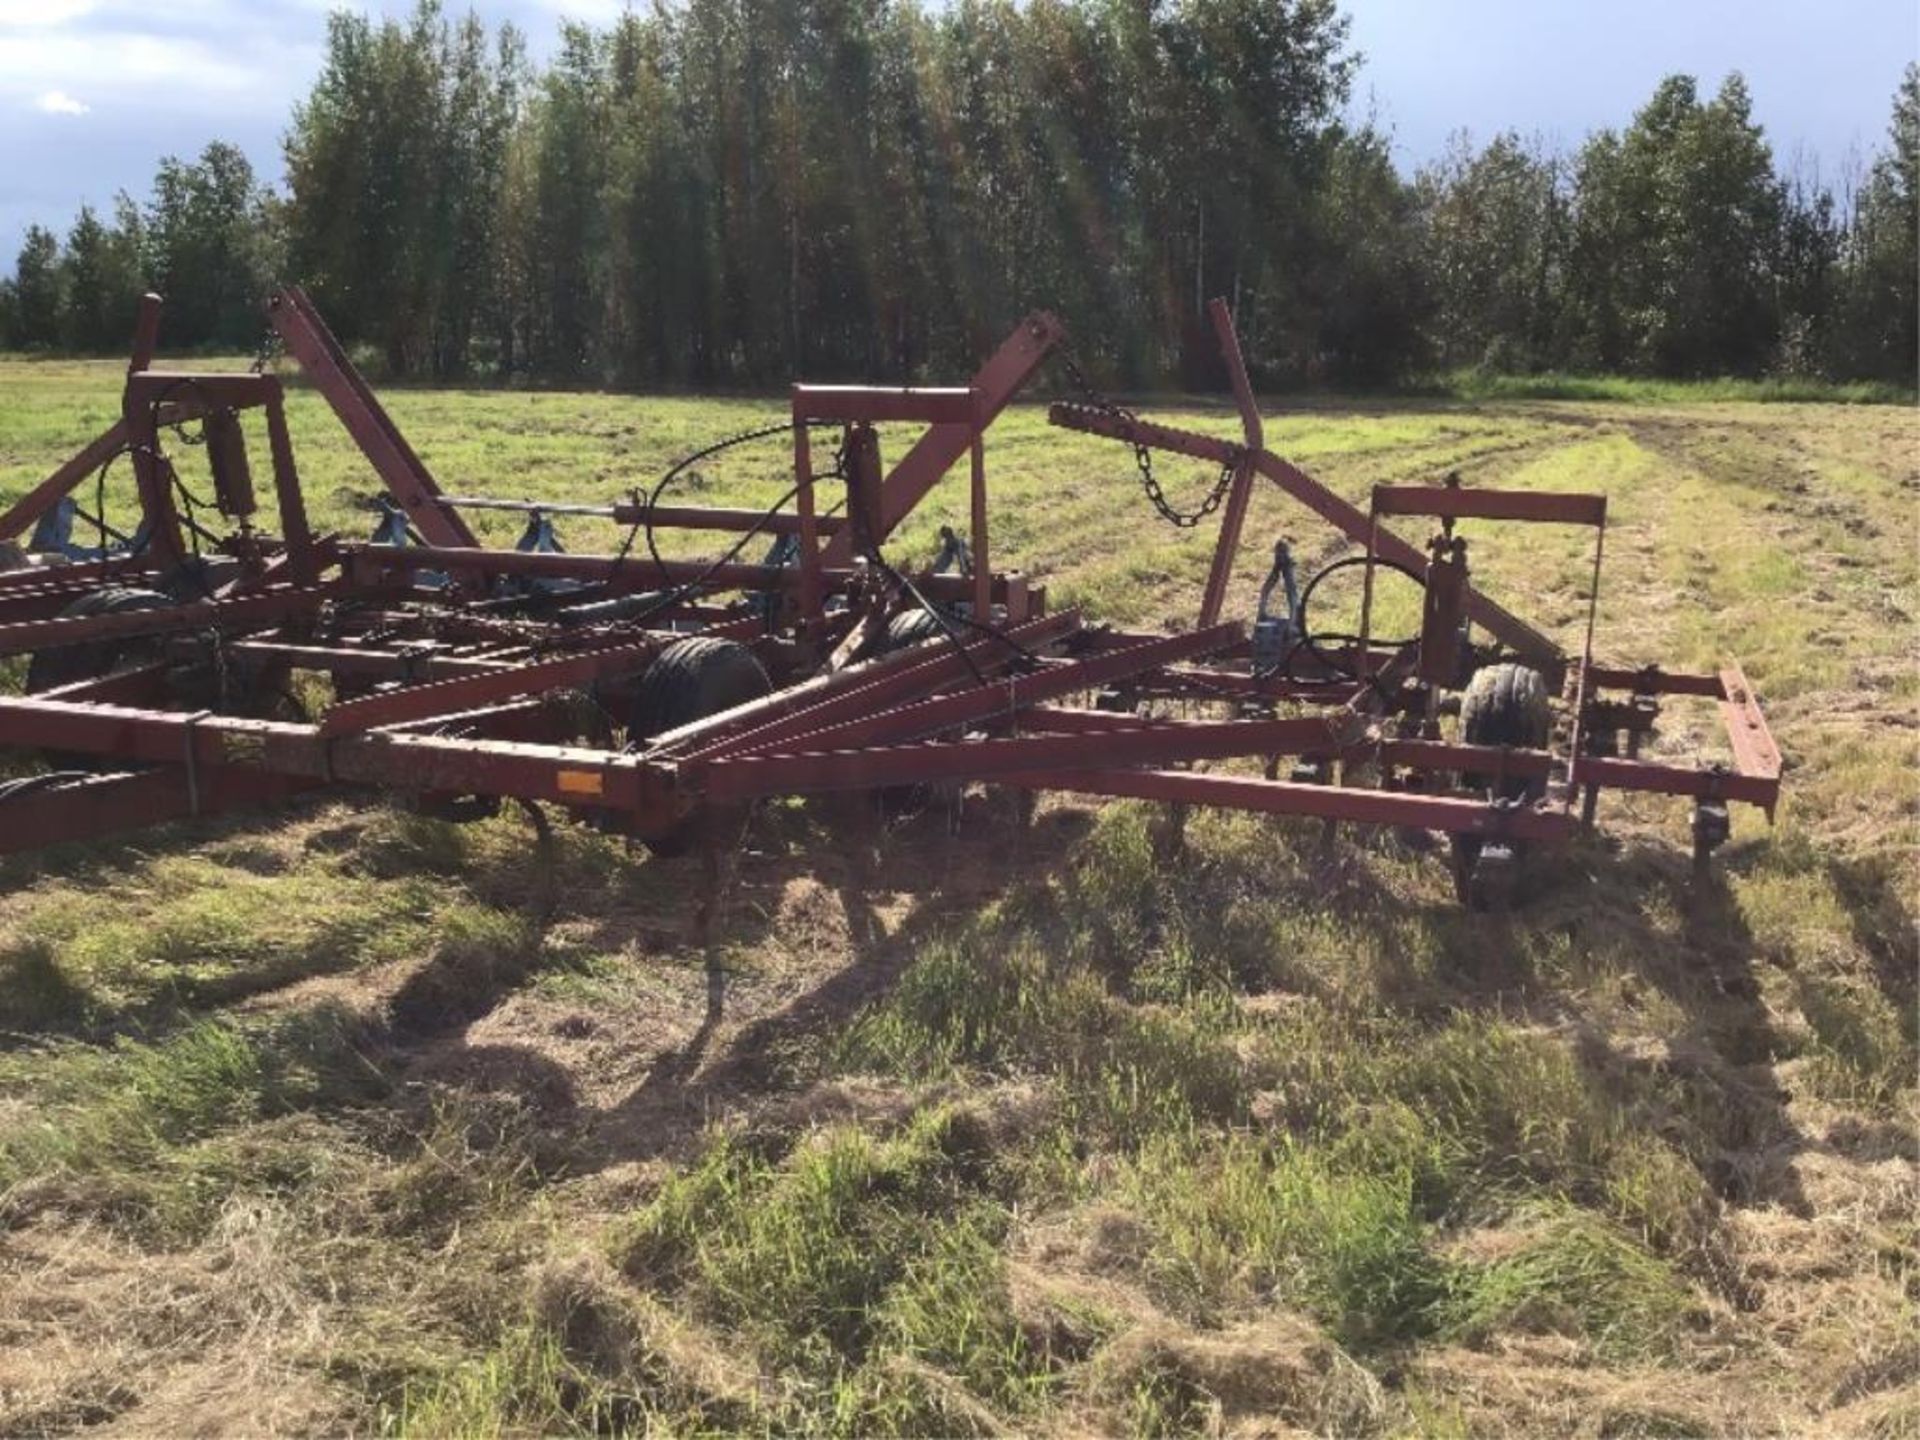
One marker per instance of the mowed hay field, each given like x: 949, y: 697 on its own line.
x: 343, y: 1120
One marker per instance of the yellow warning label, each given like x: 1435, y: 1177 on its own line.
x: 580, y: 782
x: 241, y: 748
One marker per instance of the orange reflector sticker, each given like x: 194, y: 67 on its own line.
x: 580, y: 782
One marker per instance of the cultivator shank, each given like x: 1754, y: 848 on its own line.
x: 200, y: 660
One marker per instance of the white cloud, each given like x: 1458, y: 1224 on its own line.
x: 593, y: 12
x: 20, y: 14
x: 194, y: 74
x: 58, y: 102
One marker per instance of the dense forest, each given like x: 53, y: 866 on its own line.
x: 736, y: 192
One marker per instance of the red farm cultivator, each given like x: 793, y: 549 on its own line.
x: 659, y: 697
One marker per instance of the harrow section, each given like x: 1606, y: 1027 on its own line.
x: 655, y: 697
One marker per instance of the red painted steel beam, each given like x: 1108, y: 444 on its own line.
x: 942, y: 446
x: 1426, y: 755
x: 1496, y: 761
x: 140, y: 685
x: 197, y: 392
x: 1227, y: 547
x: 146, y: 332
x: 880, y: 404
x: 946, y: 712
x: 31, y: 635
x: 45, y: 602
x: 1251, y: 428
x: 634, y: 572
x: 698, y: 517
x: 421, y: 667
x: 1754, y: 750
x: 529, y: 721
x: 309, y: 341
x: 1450, y: 502
x: 466, y: 692
x: 1614, y: 773
x: 1652, y: 680
x: 745, y: 777
x: 860, y: 690
x: 107, y: 804
x: 1327, y: 802
x: 34, y: 579
x: 1090, y: 420
x: 460, y: 764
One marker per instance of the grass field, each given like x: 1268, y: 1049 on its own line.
x: 345, y: 1120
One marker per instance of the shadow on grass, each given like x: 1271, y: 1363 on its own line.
x: 861, y: 862
x: 899, y: 885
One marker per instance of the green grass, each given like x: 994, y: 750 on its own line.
x: 1578, y: 1276
x: 1062, y: 1131
x: 145, y: 1131
x: 1479, y: 386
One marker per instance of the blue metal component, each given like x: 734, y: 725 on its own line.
x: 1274, y: 635
x: 391, y: 529
x: 784, y: 551
x: 954, y: 556
x: 539, y: 537
x: 53, y: 535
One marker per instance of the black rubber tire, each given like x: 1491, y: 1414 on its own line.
x: 198, y: 579
x: 1503, y: 704
x: 1506, y: 704
x: 909, y: 627
x: 49, y: 669
x: 690, y: 680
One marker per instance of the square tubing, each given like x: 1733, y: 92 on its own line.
x: 891, y: 680
x: 743, y: 777
x: 936, y: 451
x: 945, y: 712
x: 106, y: 804
x: 812, y: 609
x: 309, y: 341
x: 466, y: 692
x: 1226, y: 548
x: 982, y: 570
x: 30, y: 635
x: 302, y: 566
x: 1326, y: 802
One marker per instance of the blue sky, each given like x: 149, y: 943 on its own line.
x: 94, y: 92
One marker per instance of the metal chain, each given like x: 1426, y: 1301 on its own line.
x: 1143, y: 455
x: 269, y: 349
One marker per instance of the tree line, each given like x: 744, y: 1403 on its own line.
x: 739, y: 192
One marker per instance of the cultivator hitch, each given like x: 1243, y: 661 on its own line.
x: 655, y: 697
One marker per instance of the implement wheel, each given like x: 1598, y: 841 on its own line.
x: 94, y: 660
x: 1503, y: 705
x: 70, y: 664
x: 1507, y: 705
x: 690, y: 680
